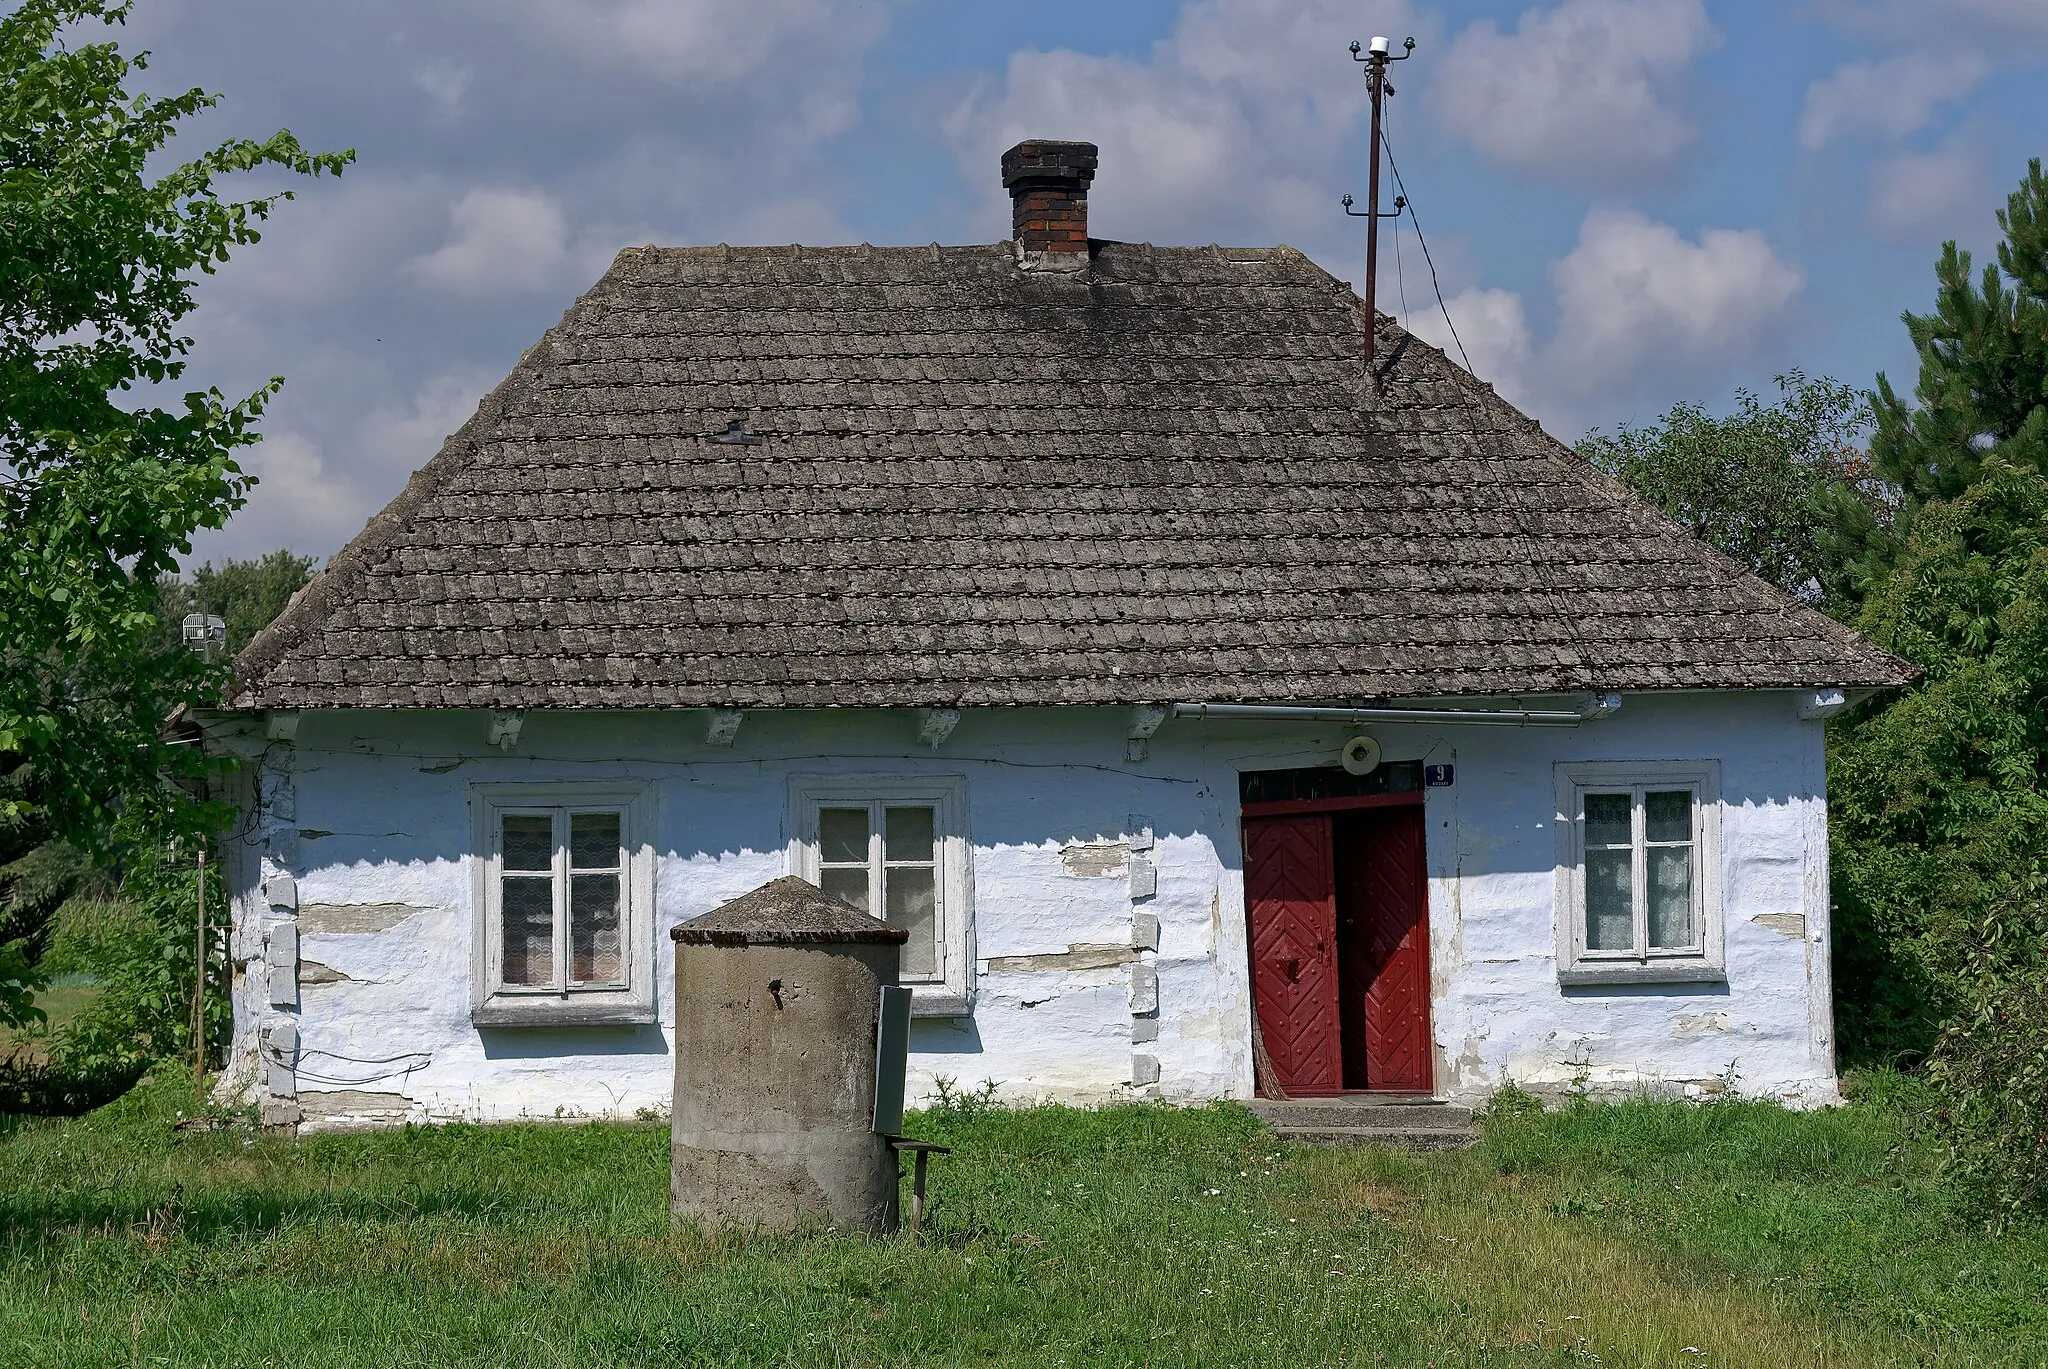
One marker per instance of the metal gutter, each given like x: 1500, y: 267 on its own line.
x: 1600, y: 707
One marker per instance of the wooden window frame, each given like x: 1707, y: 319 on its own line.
x: 951, y: 992
x: 496, y: 1004
x: 1705, y: 961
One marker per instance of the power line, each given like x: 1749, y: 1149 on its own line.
x: 1402, y: 186
x: 1400, y: 270
x: 1400, y: 273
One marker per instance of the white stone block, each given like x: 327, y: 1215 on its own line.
x: 1144, y: 878
x: 1144, y: 991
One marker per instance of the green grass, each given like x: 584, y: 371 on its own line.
x: 1132, y: 1236
x: 1838, y: 1212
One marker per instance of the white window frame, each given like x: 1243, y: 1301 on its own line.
x: 1703, y: 962
x: 951, y: 992
x: 494, y: 1003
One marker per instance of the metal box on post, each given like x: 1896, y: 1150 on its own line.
x: 778, y: 1003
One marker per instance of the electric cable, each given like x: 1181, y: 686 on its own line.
x: 1400, y: 274
x: 1515, y: 495
x: 1402, y: 186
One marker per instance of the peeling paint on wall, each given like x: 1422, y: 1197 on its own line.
x: 1096, y: 860
x: 354, y: 918
x: 1073, y: 958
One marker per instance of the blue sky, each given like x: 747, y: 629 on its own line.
x: 1631, y: 202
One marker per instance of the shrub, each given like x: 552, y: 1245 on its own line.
x: 1991, y: 1069
x: 140, y: 945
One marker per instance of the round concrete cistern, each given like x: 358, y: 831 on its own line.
x: 777, y: 998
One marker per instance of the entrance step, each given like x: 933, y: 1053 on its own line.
x: 1405, y: 1123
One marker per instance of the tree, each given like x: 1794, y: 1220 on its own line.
x: 106, y: 474
x: 1940, y: 797
x: 1983, y: 376
x: 245, y: 595
x: 1763, y: 484
x: 39, y: 874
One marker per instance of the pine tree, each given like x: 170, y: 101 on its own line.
x: 1983, y: 376
x: 1939, y: 797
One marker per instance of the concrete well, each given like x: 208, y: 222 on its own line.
x: 777, y: 998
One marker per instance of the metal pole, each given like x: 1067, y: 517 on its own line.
x: 199, y: 988
x: 1375, y: 79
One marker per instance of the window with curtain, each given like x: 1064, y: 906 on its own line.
x: 894, y: 847
x: 564, y: 906
x: 1639, y: 872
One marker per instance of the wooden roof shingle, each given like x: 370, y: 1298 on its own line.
x: 1164, y: 477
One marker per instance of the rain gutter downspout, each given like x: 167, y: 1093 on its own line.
x: 1600, y: 706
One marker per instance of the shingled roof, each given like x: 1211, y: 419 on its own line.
x: 1161, y: 477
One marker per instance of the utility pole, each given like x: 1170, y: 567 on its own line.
x: 199, y: 990
x: 1376, y: 58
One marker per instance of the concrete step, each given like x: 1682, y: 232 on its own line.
x: 1406, y: 1114
x: 1409, y: 1123
x: 1400, y: 1138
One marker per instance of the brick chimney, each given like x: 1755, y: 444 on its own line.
x: 1048, y: 185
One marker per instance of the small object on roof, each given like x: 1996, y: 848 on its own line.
x: 736, y: 435
x: 784, y: 912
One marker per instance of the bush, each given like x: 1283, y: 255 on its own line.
x: 140, y: 945
x: 1991, y: 1069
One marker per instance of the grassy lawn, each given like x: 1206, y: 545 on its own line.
x: 1639, y: 1235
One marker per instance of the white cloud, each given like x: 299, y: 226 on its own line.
x: 1633, y: 288
x: 332, y: 241
x: 702, y: 42
x: 1930, y: 196
x: 300, y: 500
x: 309, y: 497
x: 509, y: 240
x: 1637, y: 304
x: 445, y: 83
x: 1586, y: 90
x: 1893, y: 97
x: 1923, y: 23
x: 1493, y: 327
x: 1237, y: 126
x: 407, y: 437
x: 2017, y: 16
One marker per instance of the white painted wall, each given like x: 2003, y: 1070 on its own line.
x: 368, y: 813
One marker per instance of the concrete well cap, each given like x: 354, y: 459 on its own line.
x: 785, y: 912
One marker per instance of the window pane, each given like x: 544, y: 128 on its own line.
x: 843, y: 835
x: 907, y: 834
x: 1667, y: 814
x: 848, y: 886
x: 909, y: 896
x: 1671, y: 897
x: 529, y: 841
x: 528, y: 906
x: 1610, y: 913
x: 1607, y: 820
x: 594, y: 929
x: 594, y: 841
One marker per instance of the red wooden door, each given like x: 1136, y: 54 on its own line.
x: 1383, y: 907
x: 1290, y: 888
